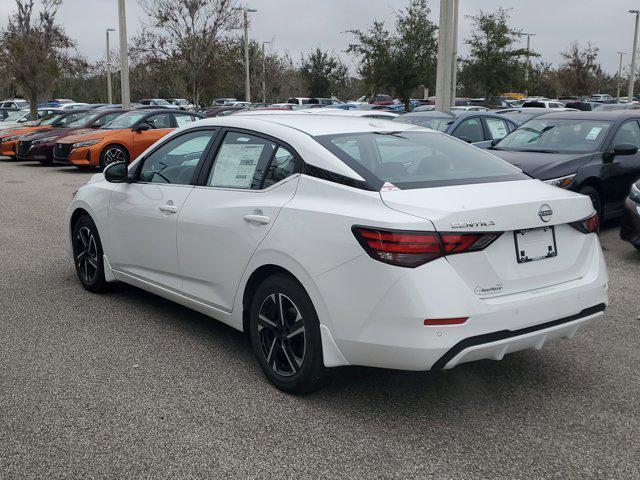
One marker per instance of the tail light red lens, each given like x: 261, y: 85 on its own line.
x: 410, y: 248
x: 588, y: 225
x: 445, y: 321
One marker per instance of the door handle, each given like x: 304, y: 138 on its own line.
x: 260, y: 219
x: 168, y: 208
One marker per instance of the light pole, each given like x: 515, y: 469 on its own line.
x: 632, y: 74
x: 264, y: 76
x: 247, y: 80
x: 109, y: 91
x: 620, y: 73
x: 528, y: 64
x: 446, y: 51
x: 124, y: 56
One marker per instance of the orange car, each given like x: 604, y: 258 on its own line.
x: 9, y: 138
x: 122, y: 139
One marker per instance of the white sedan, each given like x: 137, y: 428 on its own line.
x: 344, y: 241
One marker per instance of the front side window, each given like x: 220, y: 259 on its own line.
x: 161, y: 120
x: 67, y: 119
x: 182, y: 120
x: 418, y: 159
x: 470, y: 130
x: 557, y: 136
x: 241, y: 161
x: 175, y: 162
x: 498, y: 129
x: 629, y: 132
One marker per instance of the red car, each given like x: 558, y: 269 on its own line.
x: 38, y: 146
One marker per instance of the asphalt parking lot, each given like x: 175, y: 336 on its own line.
x: 128, y: 385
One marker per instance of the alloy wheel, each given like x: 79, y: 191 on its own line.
x: 114, y: 155
x: 86, y: 254
x: 281, y: 332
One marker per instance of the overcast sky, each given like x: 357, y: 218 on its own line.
x: 299, y: 26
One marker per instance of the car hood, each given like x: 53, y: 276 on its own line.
x: 88, y: 134
x: 545, y: 166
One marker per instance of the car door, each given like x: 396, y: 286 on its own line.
x: 143, y: 213
x: 159, y: 125
x: 623, y: 170
x: 471, y: 130
x: 230, y: 212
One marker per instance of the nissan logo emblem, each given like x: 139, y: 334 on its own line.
x: 545, y: 213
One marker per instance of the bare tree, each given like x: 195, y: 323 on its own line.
x: 32, y: 47
x: 187, y: 33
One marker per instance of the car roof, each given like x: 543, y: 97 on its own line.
x: 607, y: 115
x: 313, y: 125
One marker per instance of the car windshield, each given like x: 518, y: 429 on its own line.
x: 557, y: 136
x: 417, y: 159
x: 160, y: 101
x: 126, y: 120
x: 64, y: 121
x: 50, y: 119
x: 80, y: 121
x: 435, y: 123
x: 15, y: 116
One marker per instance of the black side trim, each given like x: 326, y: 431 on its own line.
x: 504, y: 334
x: 323, y: 174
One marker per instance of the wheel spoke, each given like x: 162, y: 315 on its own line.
x: 80, y: 256
x: 280, y: 309
x: 264, y: 322
x: 290, y: 357
x: 296, y: 332
x: 93, y: 262
x: 273, y: 344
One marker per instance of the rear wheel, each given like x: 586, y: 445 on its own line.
x: 285, y: 334
x: 596, y: 200
x: 87, y: 255
x: 112, y: 154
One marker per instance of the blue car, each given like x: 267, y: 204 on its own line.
x: 478, y: 128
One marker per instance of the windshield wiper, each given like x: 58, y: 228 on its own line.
x: 534, y: 150
x: 392, y: 134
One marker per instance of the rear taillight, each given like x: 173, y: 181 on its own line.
x: 411, y: 249
x: 588, y: 225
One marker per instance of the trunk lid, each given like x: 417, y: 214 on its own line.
x: 505, y: 207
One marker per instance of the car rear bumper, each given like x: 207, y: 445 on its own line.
x: 630, y: 223
x: 376, y: 316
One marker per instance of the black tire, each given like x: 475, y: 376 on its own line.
x: 113, y: 153
x: 87, y: 255
x: 596, y: 200
x: 296, y: 335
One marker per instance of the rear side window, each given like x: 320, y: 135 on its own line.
x: 498, y: 129
x: 417, y: 159
x: 162, y: 120
x: 282, y: 166
x: 182, y: 120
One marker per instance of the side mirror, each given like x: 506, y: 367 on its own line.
x: 116, y: 172
x: 495, y: 141
x: 620, y: 149
x: 22, y: 120
x: 625, y: 149
x: 143, y: 127
x: 465, y: 139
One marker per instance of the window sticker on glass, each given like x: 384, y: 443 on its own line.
x: 235, y: 165
x: 593, y: 133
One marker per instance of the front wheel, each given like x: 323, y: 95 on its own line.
x: 112, y: 154
x: 285, y: 334
x: 87, y: 255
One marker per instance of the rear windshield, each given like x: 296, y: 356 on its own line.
x: 440, y: 124
x: 417, y: 159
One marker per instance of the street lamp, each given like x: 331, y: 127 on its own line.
x: 109, y: 91
x: 124, y: 56
x: 632, y: 75
x: 620, y: 73
x: 528, y: 64
x: 247, y: 80
x: 264, y: 68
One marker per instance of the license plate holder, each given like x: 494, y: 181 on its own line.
x: 535, y: 244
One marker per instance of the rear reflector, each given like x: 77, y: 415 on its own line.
x: 410, y: 249
x: 445, y: 321
x: 588, y: 225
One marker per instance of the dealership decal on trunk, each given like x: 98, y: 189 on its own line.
x: 483, y: 291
